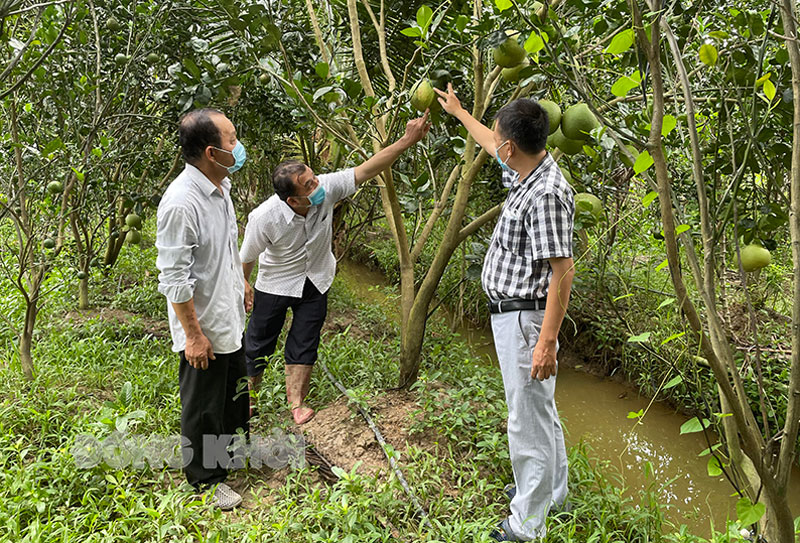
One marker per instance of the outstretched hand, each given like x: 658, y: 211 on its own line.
x: 449, y: 100
x: 418, y: 128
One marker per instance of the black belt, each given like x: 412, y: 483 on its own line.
x: 504, y: 306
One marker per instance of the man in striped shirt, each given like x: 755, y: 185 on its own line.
x: 527, y: 275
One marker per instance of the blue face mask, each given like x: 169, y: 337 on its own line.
x: 317, y: 196
x: 503, y: 165
x: 239, y: 156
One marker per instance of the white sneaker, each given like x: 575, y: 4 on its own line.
x: 226, y: 498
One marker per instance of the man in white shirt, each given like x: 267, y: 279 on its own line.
x: 197, y: 242
x: 290, y: 235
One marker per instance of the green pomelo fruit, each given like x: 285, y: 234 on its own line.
x: 133, y: 220
x: 578, y: 121
x: 152, y: 58
x: 134, y: 237
x: 120, y: 59
x: 512, y: 74
x: 422, y: 95
x: 82, y: 275
x: 567, y: 146
x: 754, y: 257
x: 54, y: 187
x: 567, y: 175
x: 49, y: 243
x: 553, y: 113
x: 113, y: 25
x: 509, y: 53
x: 585, y: 201
x: 588, y: 209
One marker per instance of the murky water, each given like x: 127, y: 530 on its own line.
x: 595, y: 410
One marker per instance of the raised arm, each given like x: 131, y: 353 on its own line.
x: 452, y: 105
x: 415, y: 131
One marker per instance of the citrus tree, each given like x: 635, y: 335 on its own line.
x: 91, y: 93
x: 699, y: 103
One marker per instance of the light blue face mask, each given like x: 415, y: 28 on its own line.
x: 317, y: 196
x: 503, y: 165
x: 239, y: 156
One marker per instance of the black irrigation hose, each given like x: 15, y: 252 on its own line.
x: 378, y: 436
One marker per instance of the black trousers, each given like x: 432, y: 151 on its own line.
x: 266, y: 323
x: 212, y: 406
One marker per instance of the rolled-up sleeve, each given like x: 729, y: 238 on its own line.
x: 176, y: 240
x: 549, y: 225
x: 255, y: 238
x: 339, y: 184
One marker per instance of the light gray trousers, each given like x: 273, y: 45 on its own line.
x: 535, y: 438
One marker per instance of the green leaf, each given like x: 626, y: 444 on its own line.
x: 644, y: 337
x: 126, y: 394
x: 424, y: 16
x: 53, y: 146
x: 643, y: 162
x: 322, y: 69
x: 636, y: 414
x: 670, y: 338
x: 675, y: 381
x: 534, y: 43
x: 682, y: 228
x: 749, y: 512
x: 708, y: 54
x: 708, y: 451
x: 662, y: 265
x: 714, y: 467
x: 503, y: 5
x: 693, y: 425
x: 649, y: 198
x: 625, y: 84
x: 621, y: 42
x: 462, y: 22
x: 668, y: 125
x: 322, y: 91
x: 412, y: 32
x: 666, y: 302
x: 769, y: 90
x: 79, y: 175
x: 618, y: 298
x: 718, y: 34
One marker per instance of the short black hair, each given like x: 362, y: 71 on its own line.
x: 197, y: 131
x: 524, y: 122
x: 283, y: 178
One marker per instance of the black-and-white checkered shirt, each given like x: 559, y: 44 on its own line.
x: 536, y: 224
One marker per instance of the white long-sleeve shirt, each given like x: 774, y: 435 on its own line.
x: 198, y: 257
x: 290, y: 247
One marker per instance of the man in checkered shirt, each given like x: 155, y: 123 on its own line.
x: 527, y: 275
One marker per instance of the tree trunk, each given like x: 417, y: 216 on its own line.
x: 413, y: 335
x: 26, y: 340
x: 83, y: 293
x: 777, y: 524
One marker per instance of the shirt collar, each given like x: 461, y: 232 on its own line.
x: 286, y: 210
x: 543, y: 166
x: 205, y: 184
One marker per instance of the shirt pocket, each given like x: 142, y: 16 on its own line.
x: 511, y: 233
